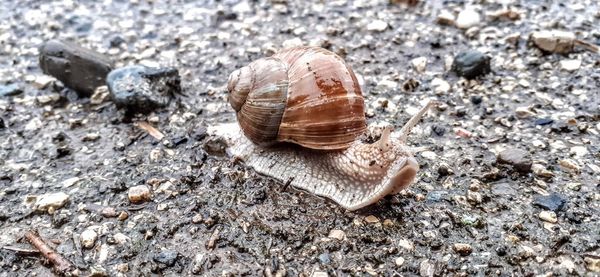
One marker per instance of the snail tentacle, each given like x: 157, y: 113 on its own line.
x: 412, y: 122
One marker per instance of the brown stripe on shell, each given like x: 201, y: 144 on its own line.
x: 261, y: 113
x: 325, y: 108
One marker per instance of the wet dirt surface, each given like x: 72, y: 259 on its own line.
x: 467, y: 213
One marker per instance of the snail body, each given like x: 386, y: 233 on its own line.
x: 308, y: 96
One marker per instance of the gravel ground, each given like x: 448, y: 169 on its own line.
x: 509, y: 185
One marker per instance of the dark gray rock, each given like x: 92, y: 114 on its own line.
x: 543, y: 121
x: 80, y: 69
x: 141, y: 89
x: 519, y: 159
x: 167, y: 257
x: 554, y: 202
x: 471, y: 64
x: 10, y: 90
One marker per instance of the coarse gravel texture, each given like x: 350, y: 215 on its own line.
x: 467, y: 214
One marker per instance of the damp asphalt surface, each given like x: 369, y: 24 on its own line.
x: 509, y: 185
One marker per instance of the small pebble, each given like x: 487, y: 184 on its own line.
x: 139, y: 194
x: 444, y: 169
x: 42, y: 82
x: 592, y: 264
x: 524, y: 112
x: 543, y: 121
x: 122, y: 267
x: 10, y: 90
x: 140, y: 89
x: 78, y: 68
x: 463, y: 133
x: 426, y: 268
x: 553, y: 202
x: 371, y: 219
x: 377, y: 25
x: 438, y: 130
x: 88, y: 238
x: 123, y: 215
x: 526, y: 252
x: 467, y: 18
x: 440, y: 86
x: 462, y: 248
x: 324, y: 258
x: 399, y: 261
x: 406, y: 244
x: 471, y: 64
x: 419, y: 64
x: 579, y: 151
x: 476, y: 99
x: 446, y: 18
x: 430, y: 155
x: 570, y: 65
x: 101, y: 94
x: 166, y: 257
x: 474, y: 197
x: 91, y: 137
x: 548, y: 216
x: 52, y: 201
x: 541, y: 171
x: 574, y: 186
x: 197, y: 218
x: 337, y: 234
x: 554, y: 41
x: 292, y: 42
x: 569, y: 165
x: 519, y: 159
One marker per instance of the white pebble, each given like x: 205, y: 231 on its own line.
x: 337, y: 234
x: 52, y: 201
x: 430, y: 155
x: 377, y: 25
x: 399, y: 261
x: 548, y: 216
x: 292, y: 43
x: 71, y: 181
x: 570, y: 65
x: 579, y: 151
x: 419, y: 64
x: 467, y: 18
x: 88, y: 238
x: 406, y: 244
x: 440, y: 86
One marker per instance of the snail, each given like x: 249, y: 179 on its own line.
x: 300, y: 118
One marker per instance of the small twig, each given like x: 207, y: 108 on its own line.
x: 287, y: 184
x: 21, y: 251
x: 588, y: 46
x: 151, y: 130
x: 62, y: 265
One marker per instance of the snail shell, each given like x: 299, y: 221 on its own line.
x: 304, y: 95
x: 310, y: 97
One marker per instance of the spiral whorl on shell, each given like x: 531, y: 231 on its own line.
x: 304, y: 95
